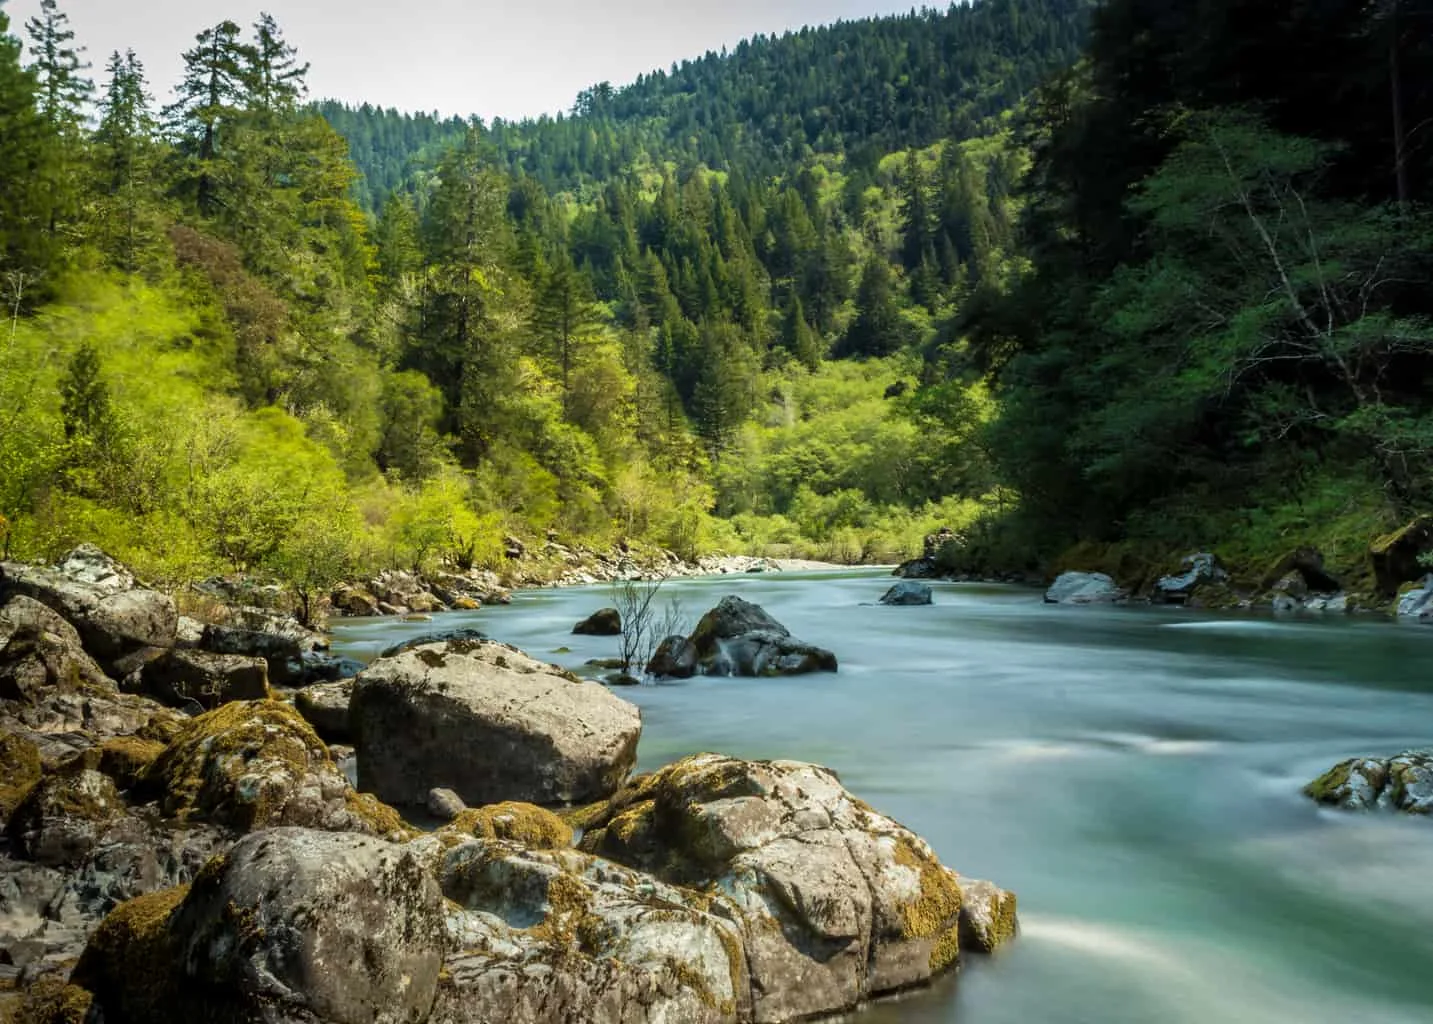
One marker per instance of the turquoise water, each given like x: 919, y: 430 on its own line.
x: 1132, y: 773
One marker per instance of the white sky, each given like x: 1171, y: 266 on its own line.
x: 512, y: 59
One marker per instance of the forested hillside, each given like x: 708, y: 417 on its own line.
x: 215, y: 360
x: 1226, y: 334
x: 858, y: 89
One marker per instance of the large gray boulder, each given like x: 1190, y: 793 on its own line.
x: 908, y: 593
x: 1084, y: 588
x: 291, y: 925
x: 738, y: 638
x: 557, y: 935
x: 1416, y: 604
x: 35, y: 661
x: 99, y: 598
x: 835, y: 903
x: 488, y: 722
x: 21, y: 612
x: 1402, y: 783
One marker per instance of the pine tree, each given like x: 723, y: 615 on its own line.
x: 276, y: 80
x: 210, y: 100
x: 62, y: 89
x: 878, y: 329
x: 564, y: 319
x: 124, y: 158
x: 799, y: 338
x: 27, y: 246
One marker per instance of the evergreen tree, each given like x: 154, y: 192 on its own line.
x: 878, y: 329
x: 800, y: 339
x: 210, y: 101
x: 275, y: 76
x: 62, y: 89
x: 564, y: 319
x: 27, y: 245
x: 125, y: 162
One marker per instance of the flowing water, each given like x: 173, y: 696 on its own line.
x: 1132, y: 773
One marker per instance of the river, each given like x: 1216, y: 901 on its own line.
x: 1132, y: 773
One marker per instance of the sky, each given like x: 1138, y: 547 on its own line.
x: 509, y: 59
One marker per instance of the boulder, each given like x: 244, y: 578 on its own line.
x: 1308, y: 564
x: 908, y: 593
x: 1416, y: 603
x: 354, y: 601
x: 35, y: 662
x: 555, y: 935
x: 1198, y: 570
x: 1084, y: 588
x: 325, y: 707
x: 836, y: 903
x: 290, y: 925
x: 1398, y: 557
x: 254, y: 765
x: 190, y: 633
x: 283, y: 653
x: 603, y: 622
x: 1402, y: 783
x: 112, y: 617
x: 674, y: 658
x: 444, y: 804
x: 987, y: 916
x: 21, y: 612
x: 186, y: 678
x: 738, y: 638
x: 65, y: 816
x: 488, y: 722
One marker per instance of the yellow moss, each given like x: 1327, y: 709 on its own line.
x: 946, y: 950
x: 628, y: 825
x: 588, y: 816
x: 130, y: 960
x: 533, y: 827
x: 52, y: 1000
x: 126, y: 758
x: 20, y: 769
x: 937, y: 906
x: 384, y: 820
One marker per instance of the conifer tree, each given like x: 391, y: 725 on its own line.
x: 564, y: 319
x: 210, y: 100
x: 61, y: 88
x: 124, y: 160
x: 26, y: 146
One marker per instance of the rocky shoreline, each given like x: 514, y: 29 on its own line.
x: 180, y: 844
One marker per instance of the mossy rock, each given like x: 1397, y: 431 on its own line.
x: 526, y: 824
x: 126, y: 759
x: 1397, y: 557
x: 131, y: 966
x: 64, y: 816
x: 20, y: 769
x: 51, y: 1000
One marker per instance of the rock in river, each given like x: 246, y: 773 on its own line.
x: 908, y: 593
x: 1402, y: 783
x: 603, y: 622
x: 488, y: 722
x: 1084, y: 588
x: 738, y: 638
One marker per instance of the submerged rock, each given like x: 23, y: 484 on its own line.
x: 836, y: 904
x: 489, y: 723
x: 1084, y: 588
x: 674, y: 658
x: 603, y: 622
x: 1402, y: 783
x: 908, y: 593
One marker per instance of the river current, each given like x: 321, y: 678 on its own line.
x: 1133, y: 774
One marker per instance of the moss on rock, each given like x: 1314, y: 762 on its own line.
x: 52, y: 1000
x: 126, y: 759
x: 130, y: 965
x: 19, y: 771
x: 936, y: 907
x: 529, y: 825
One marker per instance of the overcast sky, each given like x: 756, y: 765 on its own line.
x: 509, y: 59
